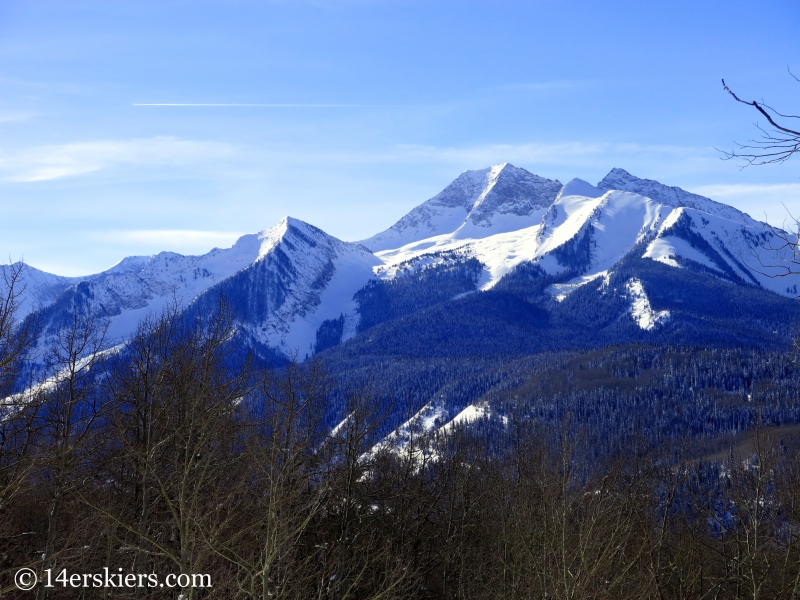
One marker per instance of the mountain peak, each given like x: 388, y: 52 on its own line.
x: 292, y: 232
x: 579, y: 187
x: 618, y: 172
x: 510, y: 190
x: 620, y: 179
x: 128, y: 264
x: 477, y: 203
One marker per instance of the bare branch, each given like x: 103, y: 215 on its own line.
x: 759, y: 108
x: 773, y: 147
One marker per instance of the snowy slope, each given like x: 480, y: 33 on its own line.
x: 641, y: 311
x: 139, y: 286
x: 619, y: 179
x: 36, y: 288
x: 286, y: 282
x: 721, y: 239
x: 495, y: 200
x: 749, y: 253
x: 587, y: 230
x: 498, y: 253
x: 283, y: 281
x: 615, y: 222
x: 302, y: 278
x: 41, y: 289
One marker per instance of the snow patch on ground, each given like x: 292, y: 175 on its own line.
x: 411, y: 438
x: 561, y: 290
x: 470, y: 414
x: 665, y: 249
x: 499, y: 253
x: 353, y: 271
x: 641, y: 311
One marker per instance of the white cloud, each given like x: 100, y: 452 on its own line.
x: 11, y: 117
x: 738, y: 190
x: 490, y: 152
x: 41, y: 163
x: 181, y: 240
x: 569, y: 153
x: 775, y: 203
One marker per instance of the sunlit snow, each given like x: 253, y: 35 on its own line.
x: 502, y: 216
x: 641, y: 311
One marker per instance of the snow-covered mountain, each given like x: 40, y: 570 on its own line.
x: 290, y: 284
x: 496, y: 200
x: 282, y: 282
x: 587, y: 229
x: 619, y: 179
x: 301, y: 278
x: 36, y: 289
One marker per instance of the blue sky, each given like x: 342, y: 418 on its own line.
x: 366, y: 108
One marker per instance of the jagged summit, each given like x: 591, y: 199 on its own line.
x: 289, y: 230
x: 301, y: 278
x: 295, y: 288
x: 620, y: 179
x: 282, y: 283
x: 511, y: 190
x: 486, y: 201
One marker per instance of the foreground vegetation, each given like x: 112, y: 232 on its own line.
x: 178, y: 454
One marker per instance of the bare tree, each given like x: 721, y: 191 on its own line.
x: 175, y: 448
x: 774, y: 146
x: 17, y: 413
x: 138, y: 384
x: 16, y: 334
x: 279, y: 497
x: 355, y: 556
x: 70, y: 414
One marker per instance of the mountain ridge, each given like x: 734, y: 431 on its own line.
x: 474, y: 200
x: 620, y: 179
x: 290, y: 283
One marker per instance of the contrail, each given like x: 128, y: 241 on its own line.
x: 266, y: 105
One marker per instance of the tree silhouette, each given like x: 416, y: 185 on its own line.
x: 774, y: 146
